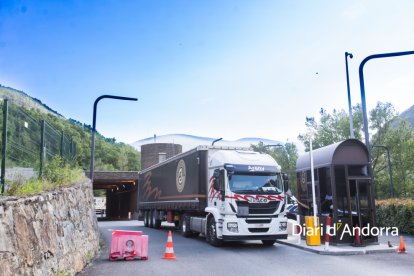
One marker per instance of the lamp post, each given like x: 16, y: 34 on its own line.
x: 362, y: 85
x: 94, y: 125
x: 389, y: 168
x: 351, y: 123
x: 309, y: 123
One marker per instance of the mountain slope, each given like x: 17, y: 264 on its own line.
x: 408, y: 115
x: 23, y: 100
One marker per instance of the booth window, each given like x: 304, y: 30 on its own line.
x: 358, y: 170
x: 341, y: 194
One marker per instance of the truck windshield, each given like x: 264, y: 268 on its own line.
x: 256, y: 183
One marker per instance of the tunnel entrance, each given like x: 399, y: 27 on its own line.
x: 120, y: 195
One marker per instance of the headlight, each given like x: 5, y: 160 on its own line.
x: 232, y: 227
x: 283, y: 226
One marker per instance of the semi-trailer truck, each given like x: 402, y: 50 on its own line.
x: 226, y: 194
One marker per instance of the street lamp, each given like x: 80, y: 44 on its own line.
x: 351, y: 123
x: 389, y: 168
x: 94, y: 125
x: 309, y: 122
x: 362, y: 85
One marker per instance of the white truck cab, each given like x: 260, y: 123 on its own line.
x: 246, y: 197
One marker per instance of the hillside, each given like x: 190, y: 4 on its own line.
x: 190, y: 141
x: 109, y: 155
x: 408, y: 115
x: 23, y: 100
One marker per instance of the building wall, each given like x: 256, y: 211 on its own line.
x: 150, y: 153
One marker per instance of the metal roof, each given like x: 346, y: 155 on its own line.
x: 350, y: 151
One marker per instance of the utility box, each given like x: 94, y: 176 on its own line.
x: 313, y: 233
x: 343, y: 186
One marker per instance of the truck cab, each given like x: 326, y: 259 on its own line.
x: 245, y: 198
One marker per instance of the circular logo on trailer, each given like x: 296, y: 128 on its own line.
x: 180, y: 176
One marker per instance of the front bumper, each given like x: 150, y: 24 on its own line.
x: 255, y: 237
x: 255, y: 228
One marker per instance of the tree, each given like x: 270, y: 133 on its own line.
x: 333, y: 128
x: 400, y: 142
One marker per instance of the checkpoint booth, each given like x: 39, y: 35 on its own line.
x: 343, y: 187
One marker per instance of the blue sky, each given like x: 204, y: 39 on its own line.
x: 228, y: 69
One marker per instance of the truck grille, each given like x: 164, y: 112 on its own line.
x: 258, y: 230
x: 259, y: 208
x: 254, y: 221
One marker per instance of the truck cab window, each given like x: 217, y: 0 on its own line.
x: 256, y: 183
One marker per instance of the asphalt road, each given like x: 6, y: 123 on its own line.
x: 196, y: 257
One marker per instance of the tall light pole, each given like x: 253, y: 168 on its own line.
x: 351, y: 123
x: 94, y: 125
x: 389, y: 168
x: 309, y: 123
x: 362, y: 85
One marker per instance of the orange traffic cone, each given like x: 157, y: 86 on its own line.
x: 169, y: 250
x: 401, y: 249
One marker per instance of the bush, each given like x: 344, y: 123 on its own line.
x: 396, y: 213
x: 57, y: 173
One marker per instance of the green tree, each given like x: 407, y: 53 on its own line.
x: 400, y: 142
x: 333, y: 128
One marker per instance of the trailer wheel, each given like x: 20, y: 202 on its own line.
x: 155, y: 221
x: 185, y: 226
x: 268, y: 242
x: 146, y: 218
x: 211, y: 236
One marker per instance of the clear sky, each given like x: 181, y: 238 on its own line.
x: 228, y: 69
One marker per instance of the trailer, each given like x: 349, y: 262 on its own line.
x: 224, y: 193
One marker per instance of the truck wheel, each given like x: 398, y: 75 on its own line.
x: 211, y: 236
x: 146, y: 218
x: 156, y: 222
x: 185, y: 226
x: 268, y: 242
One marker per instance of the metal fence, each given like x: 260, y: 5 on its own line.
x: 28, y: 144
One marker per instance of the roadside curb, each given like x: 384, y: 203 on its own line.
x: 340, y: 251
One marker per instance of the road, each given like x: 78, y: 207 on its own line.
x: 195, y: 256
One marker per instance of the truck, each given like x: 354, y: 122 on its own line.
x: 226, y: 194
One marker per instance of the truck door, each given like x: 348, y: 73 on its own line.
x: 217, y: 196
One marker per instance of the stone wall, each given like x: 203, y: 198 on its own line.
x: 50, y: 233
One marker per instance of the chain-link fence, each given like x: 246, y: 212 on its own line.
x: 28, y: 144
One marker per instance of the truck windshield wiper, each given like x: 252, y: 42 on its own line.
x: 245, y: 191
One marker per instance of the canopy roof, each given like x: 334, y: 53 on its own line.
x: 351, y: 151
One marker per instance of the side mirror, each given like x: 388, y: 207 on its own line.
x: 285, y: 182
x: 216, y: 177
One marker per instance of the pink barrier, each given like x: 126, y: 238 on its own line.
x: 128, y: 245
